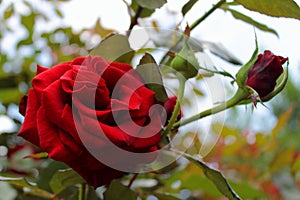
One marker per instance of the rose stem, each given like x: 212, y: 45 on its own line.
x: 194, y: 25
x: 207, y: 14
x: 134, y: 20
x: 132, y: 179
x: 237, y: 98
x: 177, y: 105
x: 82, y: 194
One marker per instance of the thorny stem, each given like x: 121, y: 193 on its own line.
x: 132, y: 179
x: 177, y: 105
x: 237, y: 98
x: 134, y: 20
x: 194, y: 25
x: 82, y: 192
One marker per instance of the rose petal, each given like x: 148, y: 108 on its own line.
x: 53, y: 102
x: 29, y: 128
x: 50, y: 140
x: 23, y: 105
x: 40, y: 69
x: 264, y: 73
x: 113, y: 74
x: 43, y: 80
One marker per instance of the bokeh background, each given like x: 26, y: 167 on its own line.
x: 258, y: 149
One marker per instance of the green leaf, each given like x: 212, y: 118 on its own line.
x: 145, y: 12
x: 149, y: 71
x: 200, y: 182
x: 230, y: 4
x: 275, y: 8
x: 185, y: 62
x: 23, y: 183
x: 246, y: 191
x: 242, y: 74
x: 216, y: 177
x: 151, y: 4
x: 249, y: 20
x: 193, y: 179
x: 114, y: 47
x: 188, y: 6
x: 118, y: 191
x: 92, y: 194
x: 46, y: 174
x: 9, y: 12
x: 63, y: 179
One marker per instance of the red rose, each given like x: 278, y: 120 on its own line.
x: 74, y: 100
x: 264, y: 73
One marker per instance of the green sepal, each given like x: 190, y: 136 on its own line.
x: 185, y: 61
x: 242, y: 74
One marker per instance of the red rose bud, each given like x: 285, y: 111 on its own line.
x: 169, y: 107
x: 264, y: 73
x: 87, y: 86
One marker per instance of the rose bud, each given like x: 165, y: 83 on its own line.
x: 91, y: 105
x: 264, y: 73
x: 169, y: 107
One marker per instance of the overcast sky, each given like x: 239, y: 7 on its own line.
x: 220, y: 26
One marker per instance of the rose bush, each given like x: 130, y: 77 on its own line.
x: 264, y: 73
x: 53, y: 116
